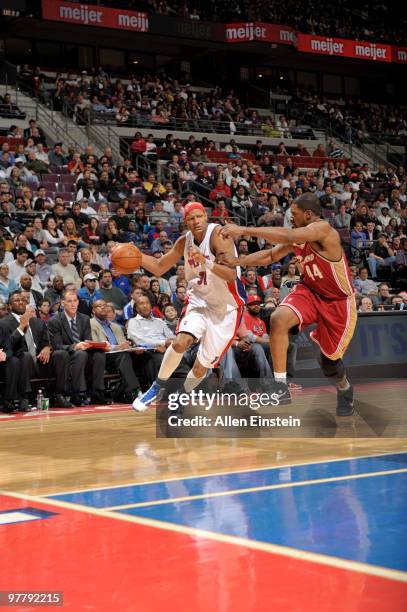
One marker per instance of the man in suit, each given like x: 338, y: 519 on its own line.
x: 31, y: 346
x: 9, y: 371
x: 70, y: 331
x: 105, y: 331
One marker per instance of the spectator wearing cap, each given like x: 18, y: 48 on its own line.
x: 89, y: 293
x: 251, y: 346
x: 43, y: 269
x: 381, y: 256
x: 31, y: 270
x: 384, y: 217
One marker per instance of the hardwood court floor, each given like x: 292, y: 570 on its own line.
x: 231, y: 525
x: 50, y: 453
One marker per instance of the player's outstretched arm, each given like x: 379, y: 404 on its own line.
x: 167, y: 261
x: 260, y: 258
x: 315, y: 232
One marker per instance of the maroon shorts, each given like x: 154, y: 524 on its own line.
x: 335, y: 319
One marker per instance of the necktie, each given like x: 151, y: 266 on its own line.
x: 29, y: 340
x: 75, y: 333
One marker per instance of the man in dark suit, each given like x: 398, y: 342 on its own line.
x: 70, y: 332
x: 31, y: 346
x: 9, y: 371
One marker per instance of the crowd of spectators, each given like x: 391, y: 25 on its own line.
x: 56, y: 244
x: 149, y: 100
x: 361, y: 20
x: 354, y: 119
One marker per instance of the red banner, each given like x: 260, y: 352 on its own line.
x: 262, y: 32
x: 93, y: 15
x: 85, y: 14
x: 342, y: 47
x: 399, y: 54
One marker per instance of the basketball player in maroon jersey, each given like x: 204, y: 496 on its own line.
x: 324, y: 296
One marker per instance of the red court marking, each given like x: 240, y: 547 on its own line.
x: 104, y: 564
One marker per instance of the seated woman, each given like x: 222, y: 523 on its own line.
x: 92, y: 234
x: 54, y: 237
x: 112, y: 232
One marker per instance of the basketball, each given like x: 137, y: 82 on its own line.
x: 126, y: 258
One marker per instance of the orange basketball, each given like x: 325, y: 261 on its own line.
x: 126, y: 258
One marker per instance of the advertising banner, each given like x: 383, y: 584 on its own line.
x: 93, y: 15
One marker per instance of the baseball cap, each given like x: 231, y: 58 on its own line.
x: 254, y: 299
x: 39, y: 252
x: 28, y: 263
x: 90, y: 277
x: 18, y: 160
x: 276, y: 265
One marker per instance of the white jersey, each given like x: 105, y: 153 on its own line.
x: 206, y: 289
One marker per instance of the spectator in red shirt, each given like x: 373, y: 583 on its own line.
x: 137, y: 148
x: 220, y: 213
x: 220, y: 190
x: 319, y: 151
x: 253, y: 322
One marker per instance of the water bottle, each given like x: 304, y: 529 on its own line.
x: 40, y: 398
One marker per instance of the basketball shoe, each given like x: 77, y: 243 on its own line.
x: 144, y: 401
x: 344, y: 406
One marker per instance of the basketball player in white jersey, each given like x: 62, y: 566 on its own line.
x: 214, y: 305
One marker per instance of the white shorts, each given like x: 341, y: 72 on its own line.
x: 215, y: 332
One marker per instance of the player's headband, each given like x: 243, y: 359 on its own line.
x: 191, y: 206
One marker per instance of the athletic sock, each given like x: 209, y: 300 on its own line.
x: 280, y: 377
x: 191, y: 381
x: 343, y: 385
x: 169, y: 364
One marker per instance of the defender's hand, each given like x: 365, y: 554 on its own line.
x: 231, y: 231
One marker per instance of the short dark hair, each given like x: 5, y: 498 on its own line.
x: 309, y: 201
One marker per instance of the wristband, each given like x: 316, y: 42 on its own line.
x: 209, y: 264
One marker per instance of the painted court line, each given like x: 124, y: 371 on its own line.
x: 213, y: 474
x: 355, y: 566
x: 285, y: 485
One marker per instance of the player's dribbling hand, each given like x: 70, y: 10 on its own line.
x: 231, y: 231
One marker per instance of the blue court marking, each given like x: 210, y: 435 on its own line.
x: 201, y: 485
x: 358, y: 520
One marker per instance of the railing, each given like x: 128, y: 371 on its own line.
x: 209, y: 126
x: 40, y: 110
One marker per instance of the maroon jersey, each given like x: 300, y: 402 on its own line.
x: 329, y: 279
